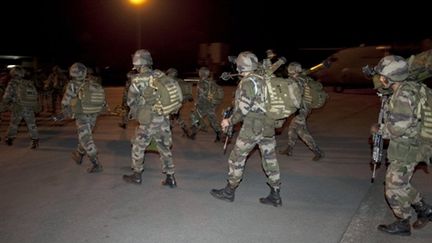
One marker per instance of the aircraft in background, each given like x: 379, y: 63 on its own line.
x: 345, y: 69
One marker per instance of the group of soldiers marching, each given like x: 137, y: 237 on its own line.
x: 141, y: 103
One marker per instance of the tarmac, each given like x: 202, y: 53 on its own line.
x: 46, y: 197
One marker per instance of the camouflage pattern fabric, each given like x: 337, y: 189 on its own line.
x: 257, y: 129
x: 298, y: 126
x: 298, y: 129
x: 19, y: 111
x: 399, y: 192
x: 84, y: 122
x: 151, y: 125
x: 204, y: 107
x: 401, y: 127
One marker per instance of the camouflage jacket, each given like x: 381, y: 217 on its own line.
x: 71, y: 92
x: 401, y: 124
x: 249, y: 105
x: 203, y: 90
x: 11, y: 97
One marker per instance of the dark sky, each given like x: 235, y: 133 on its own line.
x: 104, y: 32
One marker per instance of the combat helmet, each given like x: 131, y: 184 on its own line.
x: 394, y: 68
x: 17, y: 72
x: 294, y: 67
x: 246, y: 62
x: 172, y: 72
x: 142, y: 57
x: 78, y: 71
x: 204, y: 72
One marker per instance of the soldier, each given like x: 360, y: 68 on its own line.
x: 257, y: 128
x: 142, y: 98
x: 55, y: 85
x: 401, y: 126
x: 205, y: 105
x: 22, y: 97
x: 298, y: 126
x: 187, y: 97
x: 85, y: 122
x: 125, y: 116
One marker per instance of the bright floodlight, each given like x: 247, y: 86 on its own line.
x: 137, y: 2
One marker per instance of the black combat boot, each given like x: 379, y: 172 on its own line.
x: 77, y: 157
x: 399, y: 227
x: 287, y: 151
x: 135, y: 178
x: 424, y: 214
x: 9, y: 141
x: 318, y: 154
x: 95, y: 167
x: 273, y: 198
x: 169, y: 181
x: 218, y: 137
x: 226, y: 193
x: 34, y: 144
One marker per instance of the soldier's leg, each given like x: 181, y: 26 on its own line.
x: 306, y: 137
x: 85, y: 125
x: 30, y: 120
x: 292, y: 138
x: 163, y: 140
x: 143, y: 137
x: 215, y: 124
x: 271, y: 168
x: 12, y: 130
x: 400, y: 195
x: 236, y: 162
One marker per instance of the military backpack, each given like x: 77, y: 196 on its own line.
x: 314, y: 94
x: 90, y: 99
x: 283, y: 97
x: 424, y: 115
x: 170, y: 96
x: 27, y: 95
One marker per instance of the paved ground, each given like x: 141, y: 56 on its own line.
x: 45, y: 197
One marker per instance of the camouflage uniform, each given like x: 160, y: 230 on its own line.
x: 298, y: 125
x: 55, y: 85
x: 142, y: 97
x: 257, y: 129
x: 204, y: 107
x: 85, y: 124
x: 20, y: 109
x: 401, y: 126
x: 125, y: 107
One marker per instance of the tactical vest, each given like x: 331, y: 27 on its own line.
x: 90, y: 98
x: 170, y: 95
x: 186, y: 88
x: 27, y: 95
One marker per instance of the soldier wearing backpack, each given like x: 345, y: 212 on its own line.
x: 257, y: 129
x: 22, y: 98
x: 84, y: 100
x: 402, y: 126
x: 209, y: 96
x: 298, y: 126
x: 143, y: 100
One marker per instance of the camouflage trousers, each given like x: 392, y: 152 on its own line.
x: 201, y: 113
x: 29, y: 117
x: 85, y: 125
x: 298, y: 129
x: 399, y: 192
x: 243, y: 146
x: 159, y: 130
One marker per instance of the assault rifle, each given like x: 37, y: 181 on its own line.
x: 377, y: 138
x: 227, y: 113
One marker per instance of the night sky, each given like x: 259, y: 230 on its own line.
x: 104, y: 32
